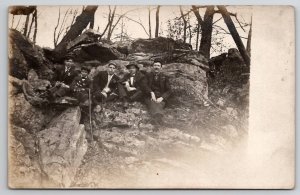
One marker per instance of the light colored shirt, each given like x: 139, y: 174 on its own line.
x: 67, y: 69
x: 106, y: 88
x: 131, y: 81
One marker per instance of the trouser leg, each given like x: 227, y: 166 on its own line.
x: 135, y: 95
x: 122, y: 91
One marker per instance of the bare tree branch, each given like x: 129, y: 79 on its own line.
x: 197, y: 7
x: 73, y: 20
x: 63, y: 23
x: 108, y: 22
x: 239, y: 23
x: 248, y: 47
x: 231, y: 14
x: 18, y: 22
x: 221, y: 28
x: 119, y: 19
x: 55, y: 39
x: 228, y: 33
x: 26, y: 25
x: 35, y: 26
x: 32, y: 20
x: 109, y: 33
x: 138, y: 23
x: 184, y: 24
x: 12, y: 22
x: 217, y: 20
x: 196, y: 12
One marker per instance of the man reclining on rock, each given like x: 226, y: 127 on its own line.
x: 133, y: 85
x: 160, y: 92
x: 105, y: 85
x: 80, y: 87
x: 64, y: 75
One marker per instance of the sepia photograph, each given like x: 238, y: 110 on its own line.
x: 141, y: 97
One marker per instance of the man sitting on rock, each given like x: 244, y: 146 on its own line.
x: 160, y: 92
x: 105, y: 84
x: 133, y: 85
x: 64, y: 75
x: 80, y: 87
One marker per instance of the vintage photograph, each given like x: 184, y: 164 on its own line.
x: 140, y: 97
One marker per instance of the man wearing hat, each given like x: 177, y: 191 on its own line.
x: 63, y: 77
x: 160, y: 91
x: 105, y: 84
x: 133, y: 85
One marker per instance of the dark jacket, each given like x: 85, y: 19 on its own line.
x: 100, y: 80
x: 164, y: 84
x: 80, y: 83
x: 139, y: 82
x: 64, y: 76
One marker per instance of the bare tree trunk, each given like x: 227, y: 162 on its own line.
x: 149, y: 18
x: 206, y: 28
x: 18, y: 22
x: 197, y: 37
x: 81, y: 23
x: 122, y: 31
x: 26, y: 25
x: 108, y: 22
x: 234, y: 33
x: 190, y: 31
x: 35, y: 26
x: 109, y: 33
x: 92, y: 22
x: 157, y: 21
x: 32, y: 21
x: 248, y: 47
x: 184, y: 24
x: 200, y: 21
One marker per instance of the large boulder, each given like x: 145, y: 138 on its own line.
x: 62, y: 147
x: 157, y: 45
x: 88, y: 36
x: 31, y: 118
x: 188, y: 83
x: 14, y: 85
x: 24, y: 55
x: 23, y: 172
x: 25, y: 138
x: 102, y: 51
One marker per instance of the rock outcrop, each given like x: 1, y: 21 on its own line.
x: 31, y: 118
x: 62, y: 146
x: 23, y: 171
x: 24, y: 55
x: 125, y: 139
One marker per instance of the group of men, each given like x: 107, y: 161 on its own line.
x: 151, y: 88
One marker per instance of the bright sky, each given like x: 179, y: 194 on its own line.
x: 48, y: 15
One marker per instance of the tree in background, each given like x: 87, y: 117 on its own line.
x: 61, y: 26
x: 157, y: 21
x: 75, y: 30
x: 235, y: 35
x: 27, y: 11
